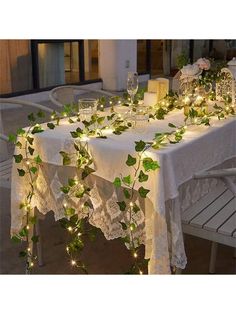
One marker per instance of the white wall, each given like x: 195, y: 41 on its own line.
x: 116, y: 59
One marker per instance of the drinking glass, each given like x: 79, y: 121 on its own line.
x: 87, y: 107
x: 132, y: 85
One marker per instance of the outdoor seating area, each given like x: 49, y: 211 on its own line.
x: 117, y: 157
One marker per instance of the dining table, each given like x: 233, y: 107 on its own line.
x: 172, y: 187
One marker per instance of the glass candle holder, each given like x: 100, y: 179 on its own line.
x: 141, y: 118
x: 87, y: 107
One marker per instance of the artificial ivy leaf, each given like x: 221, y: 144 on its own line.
x: 16, y: 239
x: 123, y: 225
x: 136, y: 208
x: 117, y: 182
x: 87, y: 170
x: 41, y: 114
x: 71, y: 182
x: 70, y: 211
x: 126, y: 193
x: 171, y: 125
x: 66, y: 158
x: 74, y: 134
x: 140, y: 146
x: 31, y: 117
x: 127, y: 179
x: 37, y: 129
x: 24, y: 232
x: 130, y: 161
x: 51, y: 125
x: 35, y: 239
x: 142, y: 176
x: 19, y: 144
x: 150, y: 164
x: 12, y: 138
x: 18, y: 158
x: 101, y: 136
x: 143, y: 192
x: 65, y: 189
x: 37, y: 159
x: 122, y: 205
x: 31, y: 150
x: 76, y: 147
x: 20, y: 131
x: 21, y: 172
x: 117, y: 132
x: 30, y: 140
x: 33, y: 169
x: 100, y: 120
x: 126, y: 239
x: 132, y: 226
x: 22, y: 253
x: 160, y: 113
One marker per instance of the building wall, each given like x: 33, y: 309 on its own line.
x: 116, y: 59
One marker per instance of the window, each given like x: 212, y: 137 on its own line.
x: 15, y: 66
x: 33, y: 65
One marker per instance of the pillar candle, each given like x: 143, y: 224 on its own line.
x: 150, y: 99
x: 160, y: 86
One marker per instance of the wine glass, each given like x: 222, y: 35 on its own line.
x: 132, y: 85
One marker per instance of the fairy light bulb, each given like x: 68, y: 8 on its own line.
x: 185, y: 127
x: 27, y: 227
x: 70, y: 229
x: 65, y: 204
x: 140, y: 272
x: 31, y: 264
x: 186, y: 100
x: 67, y: 249
x: 79, y: 234
x: 52, y: 117
x: 135, y: 255
x: 101, y: 106
x: 64, y: 114
x: 28, y: 162
x: 28, y: 249
x: 131, y: 204
x: 73, y: 262
x: 195, y: 120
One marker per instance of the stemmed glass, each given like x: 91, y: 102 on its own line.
x: 132, y: 85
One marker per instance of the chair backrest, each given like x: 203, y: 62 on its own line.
x: 4, y: 154
x: 63, y: 95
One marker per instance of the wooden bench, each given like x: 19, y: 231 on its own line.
x: 214, y: 216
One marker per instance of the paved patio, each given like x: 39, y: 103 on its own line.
x: 101, y: 257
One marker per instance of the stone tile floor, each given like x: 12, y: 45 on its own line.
x: 101, y: 257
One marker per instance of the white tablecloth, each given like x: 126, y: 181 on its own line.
x: 203, y: 147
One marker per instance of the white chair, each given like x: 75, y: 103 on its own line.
x: 66, y: 94
x: 214, y: 216
x: 5, y: 158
